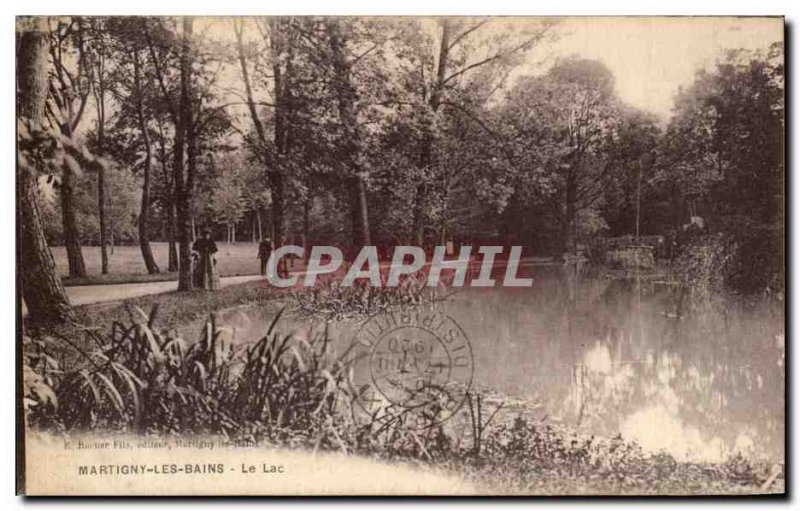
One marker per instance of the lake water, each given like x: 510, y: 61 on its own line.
x: 614, y: 355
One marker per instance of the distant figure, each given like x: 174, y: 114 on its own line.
x: 206, y: 274
x: 264, y: 251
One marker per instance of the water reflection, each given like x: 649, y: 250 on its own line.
x: 614, y: 355
x: 619, y: 355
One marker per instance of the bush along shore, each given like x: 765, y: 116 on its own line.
x: 291, y: 391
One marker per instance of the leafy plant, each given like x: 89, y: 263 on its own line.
x: 143, y: 380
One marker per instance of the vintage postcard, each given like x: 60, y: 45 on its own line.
x: 401, y: 256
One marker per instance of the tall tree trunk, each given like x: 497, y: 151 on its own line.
x: 346, y: 98
x: 69, y: 89
x: 98, y: 66
x: 426, y: 149
x: 360, y: 217
x: 274, y: 174
x: 101, y: 176
x: 184, y: 131
x: 101, y: 213
x: 172, y: 261
x: 169, y: 206
x: 278, y: 219
x: 144, y: 241
x: 41, y: 288
x: 77, y: 268
x: 258, y: 218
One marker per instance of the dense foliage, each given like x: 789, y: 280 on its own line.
x: 353, y: 130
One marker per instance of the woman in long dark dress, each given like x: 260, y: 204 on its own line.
x: 206, y: 275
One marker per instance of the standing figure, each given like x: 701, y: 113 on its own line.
x: 264, y: 251
x: 206, y: 274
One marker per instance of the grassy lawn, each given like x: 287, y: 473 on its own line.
x: 126, y: 265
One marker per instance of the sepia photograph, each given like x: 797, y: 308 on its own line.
x: 400, y: 256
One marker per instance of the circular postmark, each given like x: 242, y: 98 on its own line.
x: 412, y: 366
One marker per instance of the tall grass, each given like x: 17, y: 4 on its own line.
x: 145, y: 381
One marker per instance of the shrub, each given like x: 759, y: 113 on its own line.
x: 703, y: 263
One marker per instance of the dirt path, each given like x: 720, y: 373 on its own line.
x: 82, y: 295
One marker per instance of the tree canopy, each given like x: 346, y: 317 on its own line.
x: 360, y: 131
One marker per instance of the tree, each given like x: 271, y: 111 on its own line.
x: 167, y: 194
x: 261, y: 145
x: 305, y: 143
x: 144, y: 212
x: 131, y: 86
x: 346, y: 95
x: 124, y: 209
x: 467, y: 58
x: 98, y: 54
x: 277, y: 39
x: 187, y: 115
x: 255, y: 193
x: 41, y: 288
x: 724, y: 150
x: 565, y: 121
x: 70, y: 88
x: 633, y: 195
x: 184, y: 140
x: 226, y: 200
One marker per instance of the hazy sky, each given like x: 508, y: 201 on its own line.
x: 652, y: 57
x: 649, y: 56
